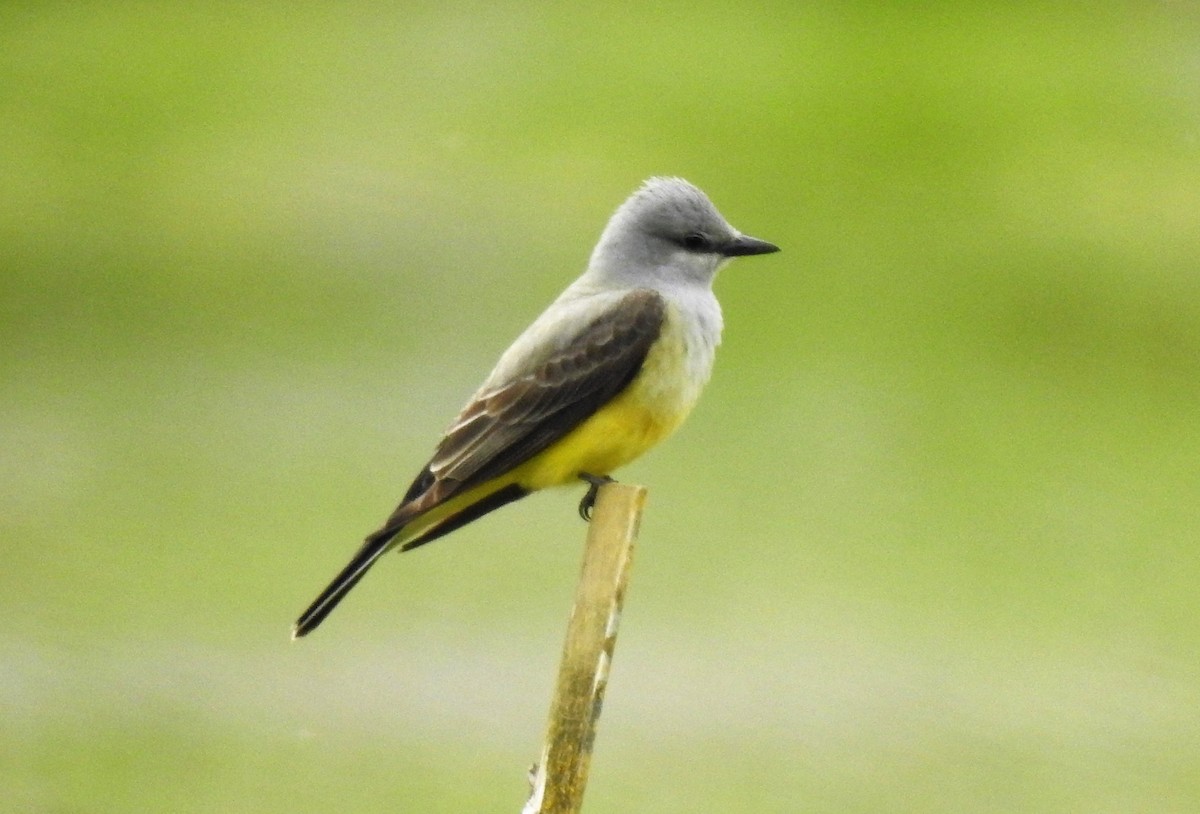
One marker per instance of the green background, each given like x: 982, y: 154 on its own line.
x: 928, y: 543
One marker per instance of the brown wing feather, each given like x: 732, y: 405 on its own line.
x: 508, y: 426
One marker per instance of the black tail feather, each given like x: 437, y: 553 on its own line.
x: 475, y: 511
x: 372, y: 549
x: 379, y: 542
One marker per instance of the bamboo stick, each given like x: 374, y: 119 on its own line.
x: 559, y: 778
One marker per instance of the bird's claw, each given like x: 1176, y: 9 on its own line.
x: 589, y: 500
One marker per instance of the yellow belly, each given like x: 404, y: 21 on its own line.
x: 653, y: 405
x: 647, y: 411
x: 614, y: 436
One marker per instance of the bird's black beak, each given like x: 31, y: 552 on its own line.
x: 744, y: 244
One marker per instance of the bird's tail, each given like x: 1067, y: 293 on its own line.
x: 381, y: 541
x: 372, y: 549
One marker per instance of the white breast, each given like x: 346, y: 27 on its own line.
x: 681, y: 362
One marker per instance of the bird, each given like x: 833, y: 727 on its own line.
x: 612, y: 366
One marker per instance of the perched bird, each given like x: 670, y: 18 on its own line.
x: 611, y: 368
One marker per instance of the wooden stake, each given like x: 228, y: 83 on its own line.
x: 559, y: 778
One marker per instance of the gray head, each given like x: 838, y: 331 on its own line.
x: 669, y: 231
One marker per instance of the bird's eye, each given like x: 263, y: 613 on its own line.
x: 695, y: 241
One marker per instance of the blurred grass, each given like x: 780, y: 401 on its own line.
x: 927, y: 544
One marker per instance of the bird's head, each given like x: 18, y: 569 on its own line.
x: 669, y: 231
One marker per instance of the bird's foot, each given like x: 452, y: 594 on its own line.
x: 589, y: 500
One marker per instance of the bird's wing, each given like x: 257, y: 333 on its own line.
x: 506, y: 425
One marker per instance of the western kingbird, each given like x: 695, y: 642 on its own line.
x: 611, y: 368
